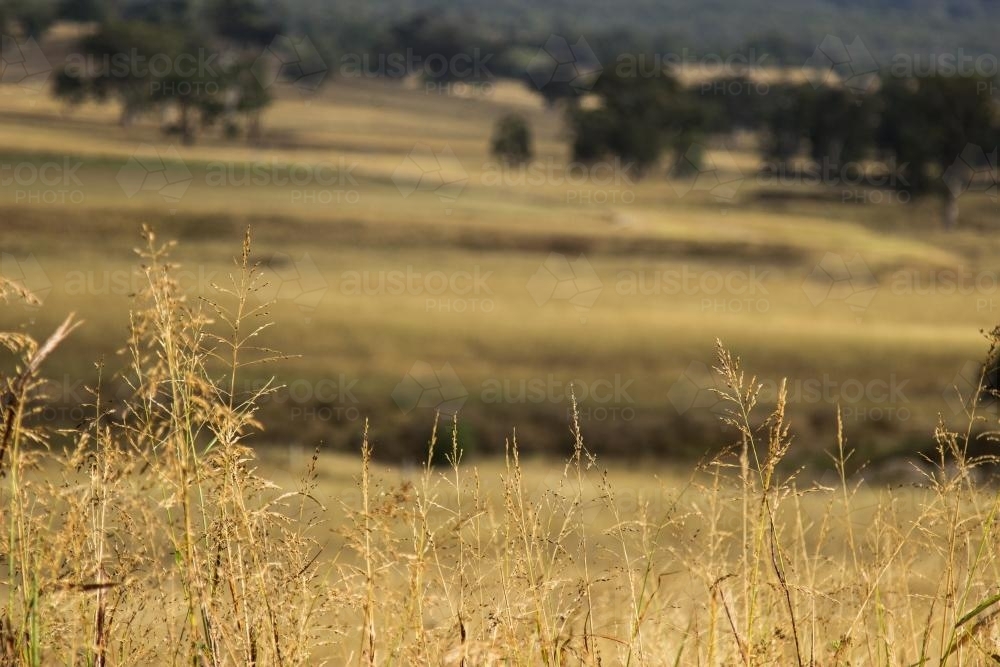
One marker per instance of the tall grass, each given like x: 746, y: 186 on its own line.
x: 149, y: 534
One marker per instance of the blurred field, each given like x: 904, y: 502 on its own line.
x: 155, y: 533
x: 72, y: 242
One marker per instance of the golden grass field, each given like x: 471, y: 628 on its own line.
x: 157, y: 536
x: 72, y: 242
x: 153, y: 535
x: 199, y: 515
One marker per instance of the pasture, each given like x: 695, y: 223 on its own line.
x: 400, y: 286
x: 368, y: 282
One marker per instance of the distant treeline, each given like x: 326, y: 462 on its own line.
x: 788, y: 31
x: 627, y: 92
x: 915, y: 134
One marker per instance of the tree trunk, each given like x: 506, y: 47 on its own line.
x: 253, y: 128
x: 127, y: 115
x: 950, y: 210
x: 187, y: 133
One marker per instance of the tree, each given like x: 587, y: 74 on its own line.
x: 72, y: 89
x: 926, y: 124
x: 25, y: 17
x: 442, y: 49
x: 253, y: 99
x: 145, y: 65
x: 195, y: 89
x: 245, y: 28
x: 591, y: 130
x: 779, y: 48
x: 840, y: 125
x: 245, y: 22
x: 634, y: 118
x: 784, y: 115
x: 511, y: 141
x: 554, y: 92
x: 835, y: 126
x: 171, y: 13
x: 725, y: 112
x: 84, y: 11
x: 115, y: 63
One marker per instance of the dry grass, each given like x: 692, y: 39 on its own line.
x: 155, y: 538
x: 924, y: 337
x: 921, y: 336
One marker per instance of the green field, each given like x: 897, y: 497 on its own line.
x: 667, y: 269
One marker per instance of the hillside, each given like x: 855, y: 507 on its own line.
x: 786, y: 29
x: 510, y: 333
